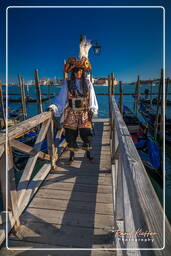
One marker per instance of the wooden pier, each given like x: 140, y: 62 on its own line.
x: 85, y: 205
x: 73, y: 207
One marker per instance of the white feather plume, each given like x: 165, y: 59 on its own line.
x: 84, y: 48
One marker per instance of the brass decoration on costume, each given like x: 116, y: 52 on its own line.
x: 77, y: 118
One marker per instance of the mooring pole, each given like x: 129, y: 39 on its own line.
x: 137, y: 97
x: 166, y: 92
x: 112, y: 83
x: 109, y: 84
x: 23, y: 98
x: 159, y: 101
x: 151, y: 90
x: 65, y: 75
x: 38, y: 92
x: 109, y: 93
x: 2, y: 106
x: 49, y: 91
x: 121, y: 98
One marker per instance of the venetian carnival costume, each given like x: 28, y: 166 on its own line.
x: 77, y: 103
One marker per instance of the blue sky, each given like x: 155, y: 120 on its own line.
x: 131, y: 40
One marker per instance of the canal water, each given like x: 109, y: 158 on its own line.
x: 103, y: 112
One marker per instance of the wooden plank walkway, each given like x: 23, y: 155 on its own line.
x: 73, y: 207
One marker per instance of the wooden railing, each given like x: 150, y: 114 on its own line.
x: 136, y: 205
x: 16, y: 198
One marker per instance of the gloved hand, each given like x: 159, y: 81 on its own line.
x: 49, y: 109
x: 53, y: 108
x: 93, y: 113
x: 57, y: 123
x: 90, y: 114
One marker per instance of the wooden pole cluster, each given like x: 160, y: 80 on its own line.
x: 2, y: 107
x: 38, y: 92
x: 158, y: 114
x: 23, y: 98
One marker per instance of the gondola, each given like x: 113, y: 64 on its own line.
x: 28, y: 99
x: 155, y: 101
x: 146, y: 146
x: 150, y: 116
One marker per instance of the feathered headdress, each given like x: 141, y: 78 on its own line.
x: 81, y: 63
x: 85, y: 46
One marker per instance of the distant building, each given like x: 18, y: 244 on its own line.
x: 30, y: 82
x: 43, y: 81
x: 100, y: 80
x: 116, y: 82
x: 103, y: 80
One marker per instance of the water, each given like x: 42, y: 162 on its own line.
x: 103, y: 112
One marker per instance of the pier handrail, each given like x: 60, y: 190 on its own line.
x: 136, y: 205
x: 20, y: 195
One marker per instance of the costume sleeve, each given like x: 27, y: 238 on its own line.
x: 60, y: 100
x: 93, y: 99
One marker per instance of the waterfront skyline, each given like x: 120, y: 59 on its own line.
x: 131, y: 41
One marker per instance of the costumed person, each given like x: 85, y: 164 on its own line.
x: 77, y: 102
